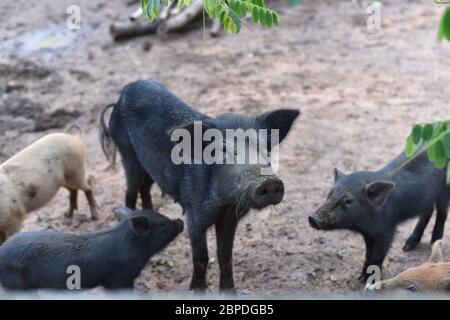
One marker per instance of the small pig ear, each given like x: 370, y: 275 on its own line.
x: 122, y: 213
x: 436, y: 252
x: 140, y: 224
x: 281, y: 119
x: 338, y: 174
x: 377, y: 192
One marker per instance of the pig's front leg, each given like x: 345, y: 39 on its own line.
x: 199, y: 258
x: 369, y: 250
x: 380, y: 248
x: 225, y: 230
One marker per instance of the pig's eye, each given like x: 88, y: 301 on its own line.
x: 346, y: 201
x: 412, y: 287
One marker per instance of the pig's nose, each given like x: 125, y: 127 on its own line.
x: 179, y: 225
x: 271, y: 191
x: 314, y: 221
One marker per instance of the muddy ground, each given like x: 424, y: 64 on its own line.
x: 360, y: 92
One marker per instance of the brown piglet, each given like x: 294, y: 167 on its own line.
x: 433, y: 275
x: 32, y: 177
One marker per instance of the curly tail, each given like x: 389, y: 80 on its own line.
x: 108, y: 146
x: 76, y: 127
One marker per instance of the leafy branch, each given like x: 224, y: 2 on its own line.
x: 228, y: 12
x: 434, y: 138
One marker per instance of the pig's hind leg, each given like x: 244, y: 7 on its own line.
x: 441, y: 217
x: 75, y: 179
x: 73, y: 203
x: 414, y: 239
x: 144, y: 191
x: 88, y: 188
x: 138, y: 181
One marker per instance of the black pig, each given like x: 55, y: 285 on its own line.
x: 111, y: 258
x: 210, y: 194
x: 373, y: 203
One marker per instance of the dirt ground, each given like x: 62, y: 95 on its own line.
x: 360, y: 91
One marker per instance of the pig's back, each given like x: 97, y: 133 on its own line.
x: 38, y: 171
x: 51, y: 149
x: 419, y: 185
x: 150, y: 111
x: 41, y: 259
x: 29, y: 259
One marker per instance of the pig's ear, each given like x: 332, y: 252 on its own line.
x: 377, y: 192
x: 338, y: 174
x: 140, y: 225
x: 281, y: 119
x: 436, y: 252
x: 122, y: 213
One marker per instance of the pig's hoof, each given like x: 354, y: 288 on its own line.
x: 409, y: 247
x: 411, y: 243
x: 68, y: 214
x: 362, y: 278
x: 229, y: 291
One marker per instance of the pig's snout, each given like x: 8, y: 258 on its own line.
x: 179, y: 225
x: 315, y: 221
x: 271, y: 191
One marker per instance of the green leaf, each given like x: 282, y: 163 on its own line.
x: 269, y: 21
x: 440, y: 159
x: 156, y: 9
x: 430, y: 152
x: 262, y: 16
x: 255, y: 14
x: 427, y: 132
x: 446, y: 142
x: 410, y: 146
x: 236, y: 22
x: 417, y: 134
x: 223, y: 17
x: 217, y: 12
x: 244, y: 10
x: 210, y: 5
x: 276, y: 18
x: 444, y: 26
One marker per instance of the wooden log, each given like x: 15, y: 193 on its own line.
x: 180, y: 20
x: 126, y: 30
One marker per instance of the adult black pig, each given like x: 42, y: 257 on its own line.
x: 372, y: 203
x: 210, y: 194
x: 111, y: 258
